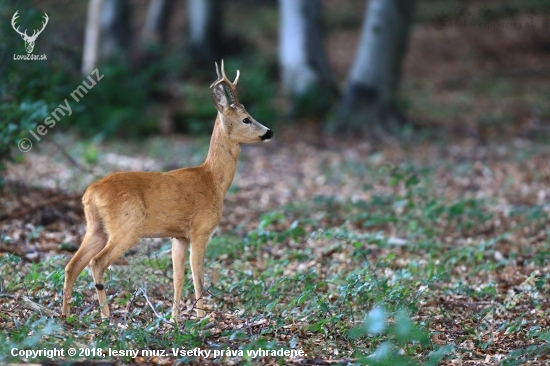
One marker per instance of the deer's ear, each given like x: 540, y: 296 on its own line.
x: 219, y: 98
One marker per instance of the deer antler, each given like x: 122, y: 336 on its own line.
x: 231, y: 86
x: 13, y: 20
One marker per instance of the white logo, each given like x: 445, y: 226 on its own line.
x: 29, y: 40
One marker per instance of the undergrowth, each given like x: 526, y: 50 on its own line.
x: 362, y: 281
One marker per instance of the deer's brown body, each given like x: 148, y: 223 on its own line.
x: 185, y: 204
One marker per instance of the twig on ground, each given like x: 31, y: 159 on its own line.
x: 144, y: 292
x: 31, y: 305
x: 195, y: 307
x: 13, y: 249
x: 22, y: 212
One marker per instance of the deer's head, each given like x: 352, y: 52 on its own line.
x: 29, y: 40
x: 239, y: 125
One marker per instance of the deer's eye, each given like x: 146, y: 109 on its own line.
x: 246, y: 120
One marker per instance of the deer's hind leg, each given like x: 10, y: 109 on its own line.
x: 116, y: 246
x: 94, y: 241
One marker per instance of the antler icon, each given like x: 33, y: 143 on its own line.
x: 29, y: 40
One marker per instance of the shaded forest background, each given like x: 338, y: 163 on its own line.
x: 478, y: 82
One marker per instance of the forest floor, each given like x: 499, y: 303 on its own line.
x: 427, y: 248
x: 432, y: 251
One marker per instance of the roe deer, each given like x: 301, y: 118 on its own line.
x: 185, y: 204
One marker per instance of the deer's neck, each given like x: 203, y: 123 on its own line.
x: 222, y: 157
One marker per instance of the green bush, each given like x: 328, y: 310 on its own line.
x: 117, y: 104
x: 29, y: 89
x: 123, y: 102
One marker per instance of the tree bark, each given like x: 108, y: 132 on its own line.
x: 107, y: 31
x: 302, y: 57
x: 155, y: 29
x: 205, y: 29
x: 91, y: 37
x: 369, y: 102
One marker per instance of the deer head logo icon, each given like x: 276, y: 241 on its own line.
x: 29, y: 40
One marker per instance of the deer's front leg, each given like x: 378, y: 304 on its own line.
x: 179, y: 249
x: 198, y: 249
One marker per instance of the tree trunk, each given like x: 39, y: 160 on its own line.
x: 205, y: 29
x: 107, y: 31
x: 302, y: 57
x: 369, y: 98
x: 91, y: 37
x: 155, y: 29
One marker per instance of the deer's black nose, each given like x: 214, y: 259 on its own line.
x: 267, y: 135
